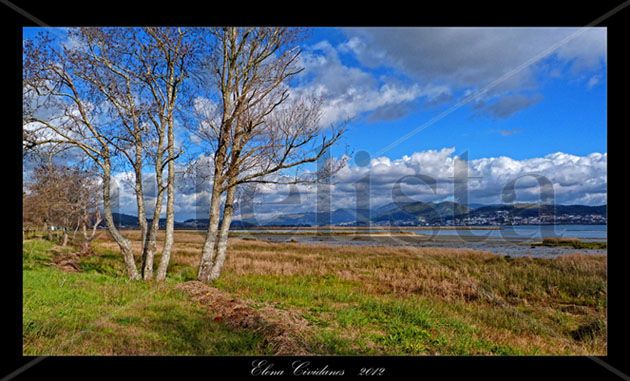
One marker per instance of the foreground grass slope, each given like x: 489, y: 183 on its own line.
x: 357, y: 300
x: 102, y: 313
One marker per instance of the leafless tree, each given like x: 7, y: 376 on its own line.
x: 254, y: 130
x: 64, y: 198
x: 112, y: 92
x: 58, y: 110
x: 142, y: 72
x: 166, y: 60
x: 88, y: 211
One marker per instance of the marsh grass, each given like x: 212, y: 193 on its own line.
x: 358, y: 300
x: 572, y: 242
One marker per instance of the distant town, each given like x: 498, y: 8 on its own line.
x: 502, y: 218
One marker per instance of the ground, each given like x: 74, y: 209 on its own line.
x: 314, y: 299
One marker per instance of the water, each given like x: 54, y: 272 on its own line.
x: 526, y: 232
x: 505, y: 240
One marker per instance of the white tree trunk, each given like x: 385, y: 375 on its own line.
x: 222, y: 237
x: 123, y: 243
x: 88, y: 238
x: 151, y: 241
x: 142, y: 215
x: 207, y: 254
x: 170, y: 207
x: 168, y: 240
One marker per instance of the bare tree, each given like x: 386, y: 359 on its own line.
x: 64, y: 198
x: 125, y: 83
x: 88, y: 210
x: 166, y: 60
x: 58, y: 110
x: 140, y: 73
x: 112, y: 94
x: 255, y: 130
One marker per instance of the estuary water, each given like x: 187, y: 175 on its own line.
x: 526, y: 232
x: 504, y: 240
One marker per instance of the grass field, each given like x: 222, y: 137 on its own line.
x: 572, y: 242
x: 353, y: 300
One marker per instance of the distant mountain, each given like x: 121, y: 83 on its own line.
x: 336, y: 217
x: 124, y: 220
x: 418, y: 212
x: 238, y: 224
x: 202, y: 223
x: 195, y: 223
x: 411, y: 213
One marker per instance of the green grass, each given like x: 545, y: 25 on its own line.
x: 376, y: 301
x: 516, y: 308
x: 573, y: 242
x: 348, y: 321
x: 36, y: 254
x: 91, y: 313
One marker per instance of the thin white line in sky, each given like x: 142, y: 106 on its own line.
x: 502, y: 78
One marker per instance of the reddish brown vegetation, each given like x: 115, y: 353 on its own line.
x: 282, y: 330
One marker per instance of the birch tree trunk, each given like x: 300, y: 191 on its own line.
x: 208, y: 251
x: 48, y: 232
x: 151, y: 240
x: 150, y: 243
x: 170, y: 207
x: 222, y: 237
x: 85, y: 245
x: 207, y: 254
x: 123, y: 243
x: 88, y: 238
x: 138, y: 188
x: 148, y: 252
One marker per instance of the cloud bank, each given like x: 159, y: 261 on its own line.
x: 575, y: 180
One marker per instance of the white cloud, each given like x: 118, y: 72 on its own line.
x: 351, y: 91
x: 469, y: 59
x: 473, y: 56
x: 575, y: 179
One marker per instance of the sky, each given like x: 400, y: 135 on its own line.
x: 514, y: 102
x: 558, y: 104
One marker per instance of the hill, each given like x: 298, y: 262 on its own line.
x: 418, y: 212
x: 410, y: 213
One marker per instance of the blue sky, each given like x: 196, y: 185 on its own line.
x: 539, y: 107
x: 569, y: 114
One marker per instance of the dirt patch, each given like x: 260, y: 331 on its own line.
x: 282, y: 330
x: 68, y: 261
x: 589, y: 331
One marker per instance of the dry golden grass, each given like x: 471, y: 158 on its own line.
x: 442, y: 272
x: 476, y: 302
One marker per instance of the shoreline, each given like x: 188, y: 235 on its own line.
x: 515, y: 247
